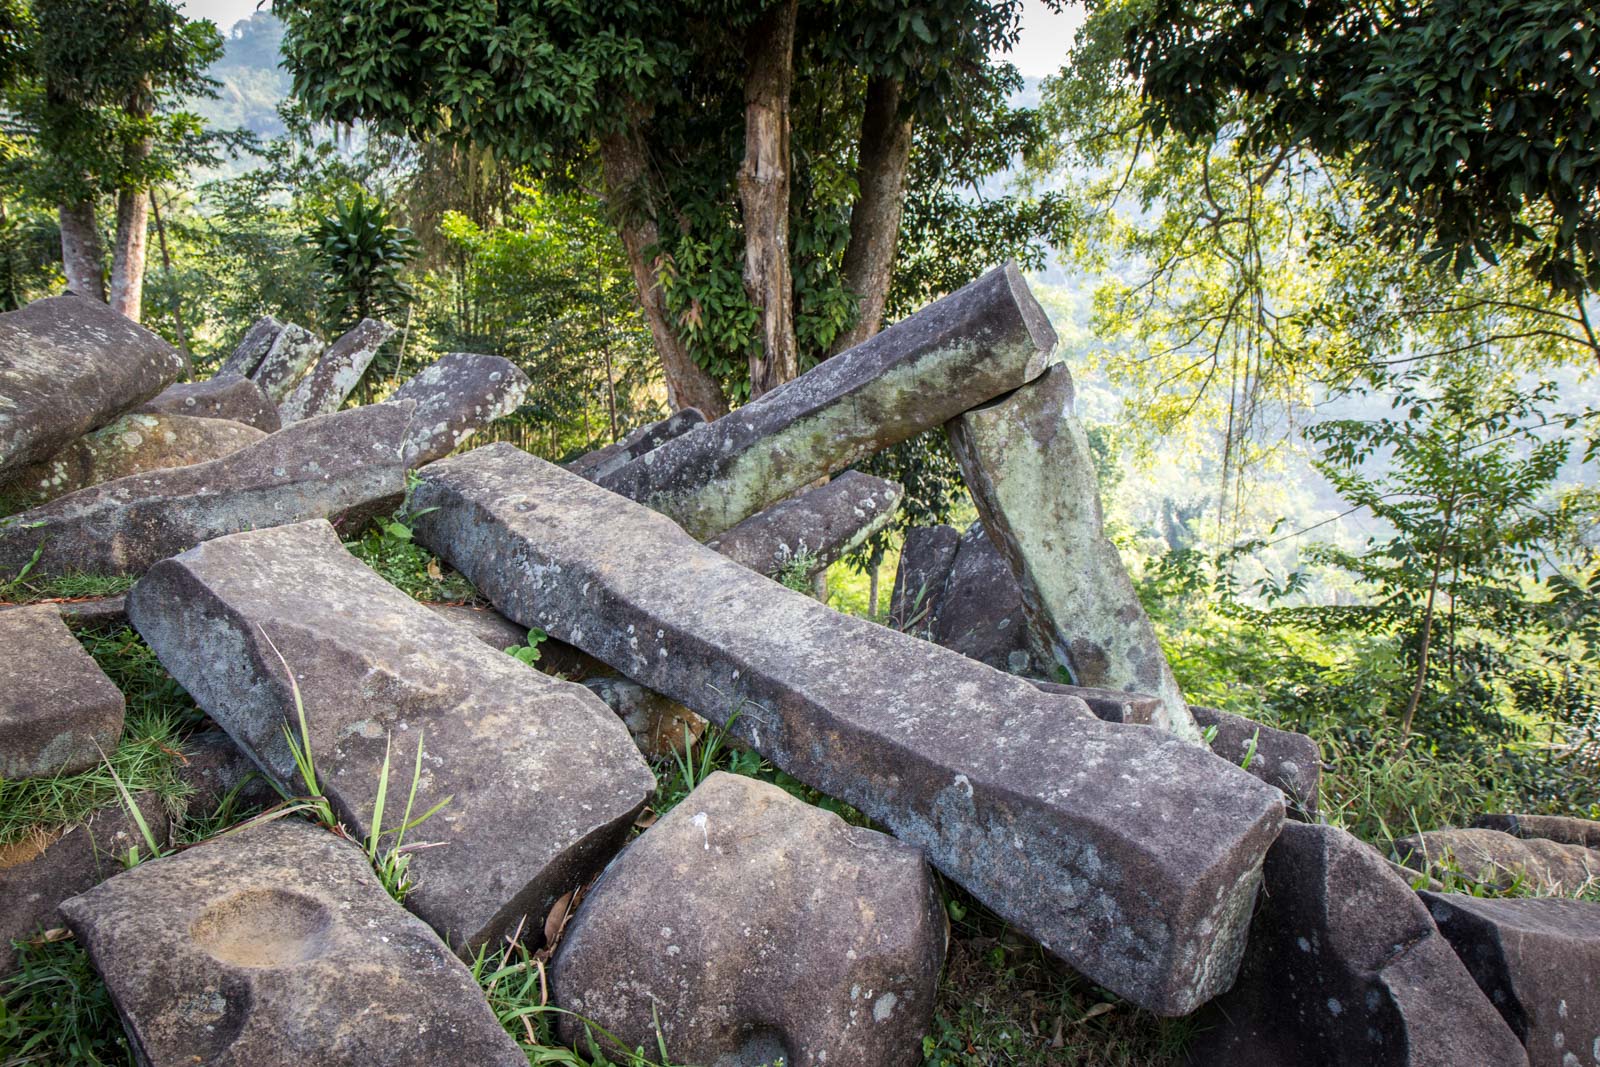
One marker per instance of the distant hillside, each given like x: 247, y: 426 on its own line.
x: 253, y: 84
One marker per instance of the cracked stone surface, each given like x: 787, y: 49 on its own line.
x: 1500, y: 859
x: 276, y: 944
x: 226, y: 396
x: 321, y: 467
x: 1559, y: 828
x: 1131, y: 855
x: 252, y: 348
x: 69, y: 365
x: 971, y: 346
x: 335, y: 374
x: 456, y: 396
x: 926, y: 557
x: 58, y: 710
x: 647, y: 438
x: 821, y: 524
x: 293, y: 350
x: 544, y: 779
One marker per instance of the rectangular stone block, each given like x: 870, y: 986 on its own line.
x: 821, y: 524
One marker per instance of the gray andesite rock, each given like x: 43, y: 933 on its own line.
x: 58, y: 710
x: 1287, y: 760
x: 47, y: 866
x: 457, y: 396
x: 1127, y: 853
x: 212, y: 766
x: 1345, y: 969
x: 1559, y: 828
x: 293, y: 350
x: 486, y: 624
x: 337, y: 371
x: 1500, y: 860
x: 227, y: 396
x: 973, y: 345
x: 1538, y: 962
x: 321, y: 467
x: 276, y: 944
x: 925, y: 561
x: 659, y: 725
x: 1026, y: 459
x: 980, y: 612
x: 754, y: 926
x: 821, y: 524
x: 1112, y: 705
x: 647, y: 438
x: 131, y: 445
x: 544, y: 780
x: 252, y: 348
x: 68, y: 365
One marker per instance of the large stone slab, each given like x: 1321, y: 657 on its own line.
x: 1284, y: 759
x: 1026, y: 459
x: 337, y: 371
x: 973, y: 345
x: 819, y: 525
x: 544, y: 779
x: 980, y: 614
x: 1538, y: 962
x: 132, y: 444
x: 276, y: 944
x: 252, y: 348
x: 753, y: 927
x: 926, y: 558
x: 1345, y: 969
x: 227, y: 396
x: 1501, y: 860
x: 456, y: 396
x: 293, y: 349
x: 1129, y: 854
x: 602, y: 461
x: 69, y: 364
x: 1559, y: 828
x: 321, y: 467
x: 58, y: 710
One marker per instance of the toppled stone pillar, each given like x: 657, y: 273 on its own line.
x: 544, y: 780
x: 980, y: 614
x: 456, y: 396
x: 1561, y: 829
x: 660, y: 725
x: 58, y: 710
x: 1500, y: 860
x: 276, y: 944
x: 321, y: 467
x: 293, y: 350
x: 1129, y: 854
x: 1026, y: 460
x: 926, y: 558
x: 819, y: 525
x: 325, y: 386
x: 647, y: 438
x: 252, y: 348
x: 971, y: 346
x: 753, y: 928
x: 68, y: 365
x: 227, y: 396
x: 1287, y: 760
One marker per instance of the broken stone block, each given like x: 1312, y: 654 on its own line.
x: 252, y: 348
x: 1345, y: 969
x: 544, y: 780
x: 321, y: 467
x: 1129, y: 854
x: 293, y: 350
x: 1500, y: 860
x: 1026, y: 459
x: 602, y: 461
x: 980, y: 610
x: 58, y: 710
x: 926, y: 557
x: 1559, y: 828
x: 69, y: 364
x: 1112, y: 705
x: 276, y: 944
x: 94, y: 615
x: 956, y: 353
x: 486, y: 624
x: 132, y: 444
x: 819, y: 525
x: 753, y: 927
x: 227, y: 396
x: 457, y: 396
x: 46, y: 866
x: 1538, y: 962
x: 660, y: 726
x: 337, y: 371
x: 212, y: 766
x: 1284, y: 759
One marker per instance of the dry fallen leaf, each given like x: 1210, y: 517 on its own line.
x: 557, y: 919
x: 434, y: 572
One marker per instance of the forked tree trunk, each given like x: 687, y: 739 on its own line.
x: 81, y: 256
x: 764, y: 194
x: 127, y: 258
x: 881, y: 164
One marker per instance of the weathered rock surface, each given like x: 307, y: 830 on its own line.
x: 227, y: 396
x: 969, y: 347
x: 820, y: 524
x: 602, y: 461
x: 926, y: 557
x: 58, y: 710
x: 1538, y: 962
x: 293, y: 350
x: 96, y: 614
x: 322, y: 467
x: 1500, y: 860
x: 1131, y: 855
x: 131, y: 445
x: 1287, y: 760
x: 325, y: 386
x: 1112, y: 705
x: 68, y: 365
x: 46, y: 867
x: 1026, y: 459
x: 252, y: 348
x: 545, y: 781
x: 1345, y: 969
x: 486, y: 624
x: 754, y: 926
x: 1558, y: 828
x: 457, y: 396
x: 660, y: 725
x: 212, y: 766
x: 979, y: 613
x: 277, y: 945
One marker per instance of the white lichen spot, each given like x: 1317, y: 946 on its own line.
x: 884, y: 1007
x: 700, y: 822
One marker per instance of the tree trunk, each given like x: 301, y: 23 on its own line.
x: 627, y: 191
x: 127, y: 258
x: 881, y: 165
x: 764, y: 194
x: 1422, y: 656
x: 177, y: 297
x: 81, y: 255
